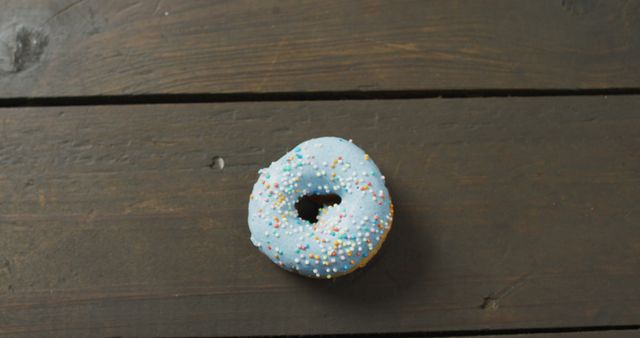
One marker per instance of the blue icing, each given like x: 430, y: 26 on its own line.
x: 345, y: 234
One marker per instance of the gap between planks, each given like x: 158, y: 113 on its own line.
x: 109, y: 100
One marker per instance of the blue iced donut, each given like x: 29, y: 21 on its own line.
x: 346, y: 235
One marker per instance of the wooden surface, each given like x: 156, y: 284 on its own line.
x: 510, y: 213
x: 92, y: 47
x: 514, y: 215
x: 598, y: 334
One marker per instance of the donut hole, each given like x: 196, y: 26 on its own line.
x: 308, y: 206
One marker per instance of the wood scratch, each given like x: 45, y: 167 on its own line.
x: 274, y: 61
x: 127, y: 7
x: 506, y: 252
x: 90, y: 217
x: 396, y: 169
x: 493, y: 302
x: 4, y: 128
x: 41, y: 199
x: 403, y: 46
x: 65, y: 10
x: 155, y: 11
x: 410, y: 47
x: 125, y: 63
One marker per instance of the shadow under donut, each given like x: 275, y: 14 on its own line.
x: 392, y: 273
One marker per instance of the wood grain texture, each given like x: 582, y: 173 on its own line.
x: 510, y: 213
x: 91, y: 47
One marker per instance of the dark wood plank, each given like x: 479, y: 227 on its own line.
x: 511, y: 213
x: 595, y: 334
x: 92, y: 47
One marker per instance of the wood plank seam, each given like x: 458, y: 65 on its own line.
x: 115, y: 100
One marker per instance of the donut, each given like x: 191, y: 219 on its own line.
x: 344, y: 236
